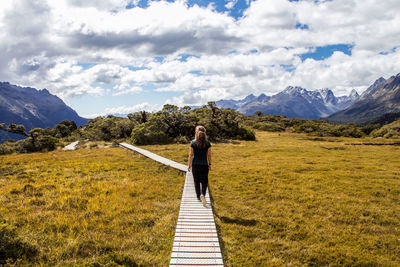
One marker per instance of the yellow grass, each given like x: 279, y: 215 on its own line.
x: 97, y: 206
x: 290, y: 199
x: 283, y: 200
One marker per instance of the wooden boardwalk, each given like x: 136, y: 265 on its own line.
x: 196, y: 240
x: 155, y: 157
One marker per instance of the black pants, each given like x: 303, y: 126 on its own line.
x: 200, y: 176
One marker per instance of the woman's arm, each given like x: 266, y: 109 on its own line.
x: 191, y: 153
x: 209, y: 158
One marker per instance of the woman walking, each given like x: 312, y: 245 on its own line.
x: 200, y: 162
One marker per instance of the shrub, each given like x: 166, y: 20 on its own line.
x: 148, y: 135
x: 391, y: 130
x: 7, y: 148
x: 245, y: 134
x: 46, y: 143
x: 173, y: 124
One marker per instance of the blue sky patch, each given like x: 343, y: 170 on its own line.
x: 86, y: 65
x: 159, y: 59
x: 220, y: 5
x: 289, y: 68
x: 196, y: 72
x: 390, y: 51
x: 323, y: 52
x: 184, y: 57
x: 302, y: 26
x: 133, y: 68
x: 141, y: 4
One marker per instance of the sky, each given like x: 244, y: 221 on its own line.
x: 121, y: 56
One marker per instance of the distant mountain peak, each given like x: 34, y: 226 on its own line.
x: 249, y: 98
x: 293, y: 101
x: 293, y: 90
x: 328, y: 96
x: 45, y: 91
x: 262, y: 97
x: 379, y: 81
x: 354, y: 94
x: 374, y: 89
x: 33, y: 108
x: 381, y: 98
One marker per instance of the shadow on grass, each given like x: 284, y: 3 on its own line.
x: 13, y: 247
x: 227, y: 220
x: 243, y: 222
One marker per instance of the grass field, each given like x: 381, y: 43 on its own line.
x: 295, y: 200
x: 91, y: 207
x: 283, y: 200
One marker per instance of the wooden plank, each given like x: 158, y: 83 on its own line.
x: 196, y: 261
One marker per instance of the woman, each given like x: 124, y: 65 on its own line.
x: 200, y: 162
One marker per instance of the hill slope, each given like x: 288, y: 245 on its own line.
x: 380, y: 98
x: 33, y: 108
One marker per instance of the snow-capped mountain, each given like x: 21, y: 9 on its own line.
x: 293, y: 102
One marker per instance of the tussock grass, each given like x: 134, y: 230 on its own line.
x: 283, y: 200
x: 90, y: 207
x: 288, y: 199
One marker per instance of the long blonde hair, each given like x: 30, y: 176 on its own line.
x: 200, y: 136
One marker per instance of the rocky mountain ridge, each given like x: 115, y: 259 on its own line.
x: 382, y: 97
x: 33, y: 108
x: 293, y: 102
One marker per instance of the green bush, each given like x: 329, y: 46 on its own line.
x: 107, y: 128
x: 173, y: 124
x: 273, y: 123
x: 391, y: 130
x: 7, y: 148
x: 245, y: 134
x: 148, y: 135
x: 46, y: 143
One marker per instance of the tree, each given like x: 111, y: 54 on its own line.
x: 139, y: 117
x: 174, y: 124
x: 258, y: 113
x: 65, y: 128
x: 17, y: 129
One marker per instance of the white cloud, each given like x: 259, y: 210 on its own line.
x: 231, y: 4
x: 125, y: 110
x: 124, y: 89
x: 109, y: 5
x: 44, y: 44
x: 129, y: 109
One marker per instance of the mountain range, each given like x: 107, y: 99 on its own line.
x: 33, y: 108
x: 379, y: 103
x: 293, y: 102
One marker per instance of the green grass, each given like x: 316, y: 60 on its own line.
x: 290, y: 199
x: 88, y: 207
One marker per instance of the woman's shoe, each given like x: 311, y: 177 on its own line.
x: 203, y: 200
